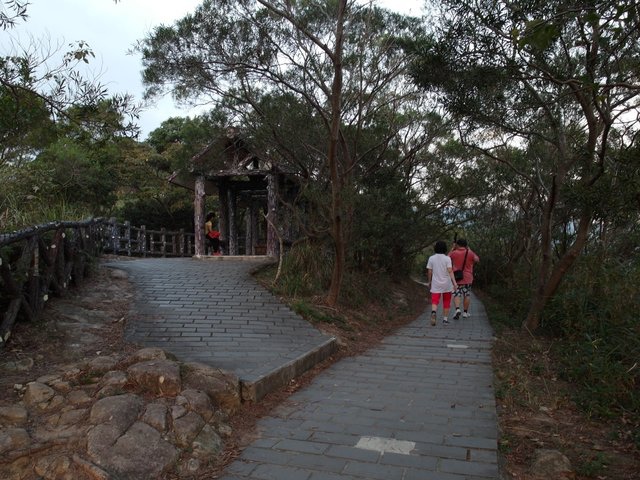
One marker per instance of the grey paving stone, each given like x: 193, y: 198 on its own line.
x: 331, y: 476
x: 225, y: 323
x: 374, y: 471
x: 242, y: 468
x: 301, y: 446
x: 318, y: 463
x: 419, y: 474
x: 352, y: 453
x: 415, y: 386
x: 422, y: 462
x: 278, y: 472
x: 478, y: 469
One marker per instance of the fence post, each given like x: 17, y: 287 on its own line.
x: 142, y: 241
x: 127, y: 233
x: 163, y: 241
x: 181, y: 239
x: 37, y: 296
x: 115, y: 236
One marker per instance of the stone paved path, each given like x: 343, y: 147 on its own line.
x: 420, y: 406
x: 212, y: 311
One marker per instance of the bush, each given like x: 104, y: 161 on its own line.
x: 306, y: 270
x: 602, y: 335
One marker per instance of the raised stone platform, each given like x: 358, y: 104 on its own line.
x: 211, y: 310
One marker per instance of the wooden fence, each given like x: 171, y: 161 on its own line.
x: 123, y: 239
x: 47, y: 259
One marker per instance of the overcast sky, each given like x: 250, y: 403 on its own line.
x: 111, y: 29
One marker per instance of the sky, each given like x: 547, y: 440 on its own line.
x: 111, y: 29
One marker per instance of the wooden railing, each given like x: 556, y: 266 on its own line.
x: 47, y: 259
x: 123, y: 239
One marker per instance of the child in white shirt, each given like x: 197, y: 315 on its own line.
x: 441, y: 280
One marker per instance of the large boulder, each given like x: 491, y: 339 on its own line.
x: 13, y: 439
x: 14, y: 415
x: 140, y: 452
x: 222, y: 387
x: 161, y: 377
x: 550, y: 464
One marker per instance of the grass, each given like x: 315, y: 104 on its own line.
x: 314, y: 314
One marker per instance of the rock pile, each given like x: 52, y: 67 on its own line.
x: 140, y: 416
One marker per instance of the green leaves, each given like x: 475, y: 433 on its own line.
x: 81, y: 51
x: 16, y: 10
x: 538, y: 34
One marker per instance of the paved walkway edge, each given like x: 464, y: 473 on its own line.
x: 256, y: 389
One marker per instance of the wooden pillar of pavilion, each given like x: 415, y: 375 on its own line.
x: 223, y: 215
x: 272, y: 217
x: 232, y: 204
x: 198, y: 215
x: 250, y: 229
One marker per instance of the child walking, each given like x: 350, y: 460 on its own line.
x: 441, y: 280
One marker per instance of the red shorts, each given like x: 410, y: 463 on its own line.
x: 446, y: 299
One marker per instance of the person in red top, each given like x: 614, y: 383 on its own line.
x: 458, y: 252
x: 212, y: 235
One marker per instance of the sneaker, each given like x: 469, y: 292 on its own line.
x: 433, y: 318
x: 466, y: 315
x: 457, y: 315
x: 445, y: 321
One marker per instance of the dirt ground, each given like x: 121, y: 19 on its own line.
x: 536, y: 411
x: 534, y: 408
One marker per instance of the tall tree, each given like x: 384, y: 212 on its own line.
x: 557, y: 78
x: 338, y: 58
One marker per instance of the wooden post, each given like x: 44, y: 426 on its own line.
x: 272, y: 202
x: 198, y: 215
x: 115, y: 237
x: 223, y: 215
x: 142, y: 241
x: 36, y: 295
x: 248, y: 235
x: 78, y: 262
x: 127, y: 236
x: 252, y: 227
x: 233, y: 227
x: 60, y: 261
x: 163, y: 241
x: 180, y: 252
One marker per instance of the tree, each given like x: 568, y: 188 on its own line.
x: 146, y: 196
x: 15, y: 10
x: 559, y: 80
x: 25, y: 126
x: 44, y: 71
x: 79, y: 165
x: 350, y: 79
x: 50, y: 113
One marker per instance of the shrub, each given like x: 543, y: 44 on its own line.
x: 602, y: 335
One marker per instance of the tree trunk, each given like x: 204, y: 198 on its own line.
x: 548, y: 287
x: 333, y: 160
